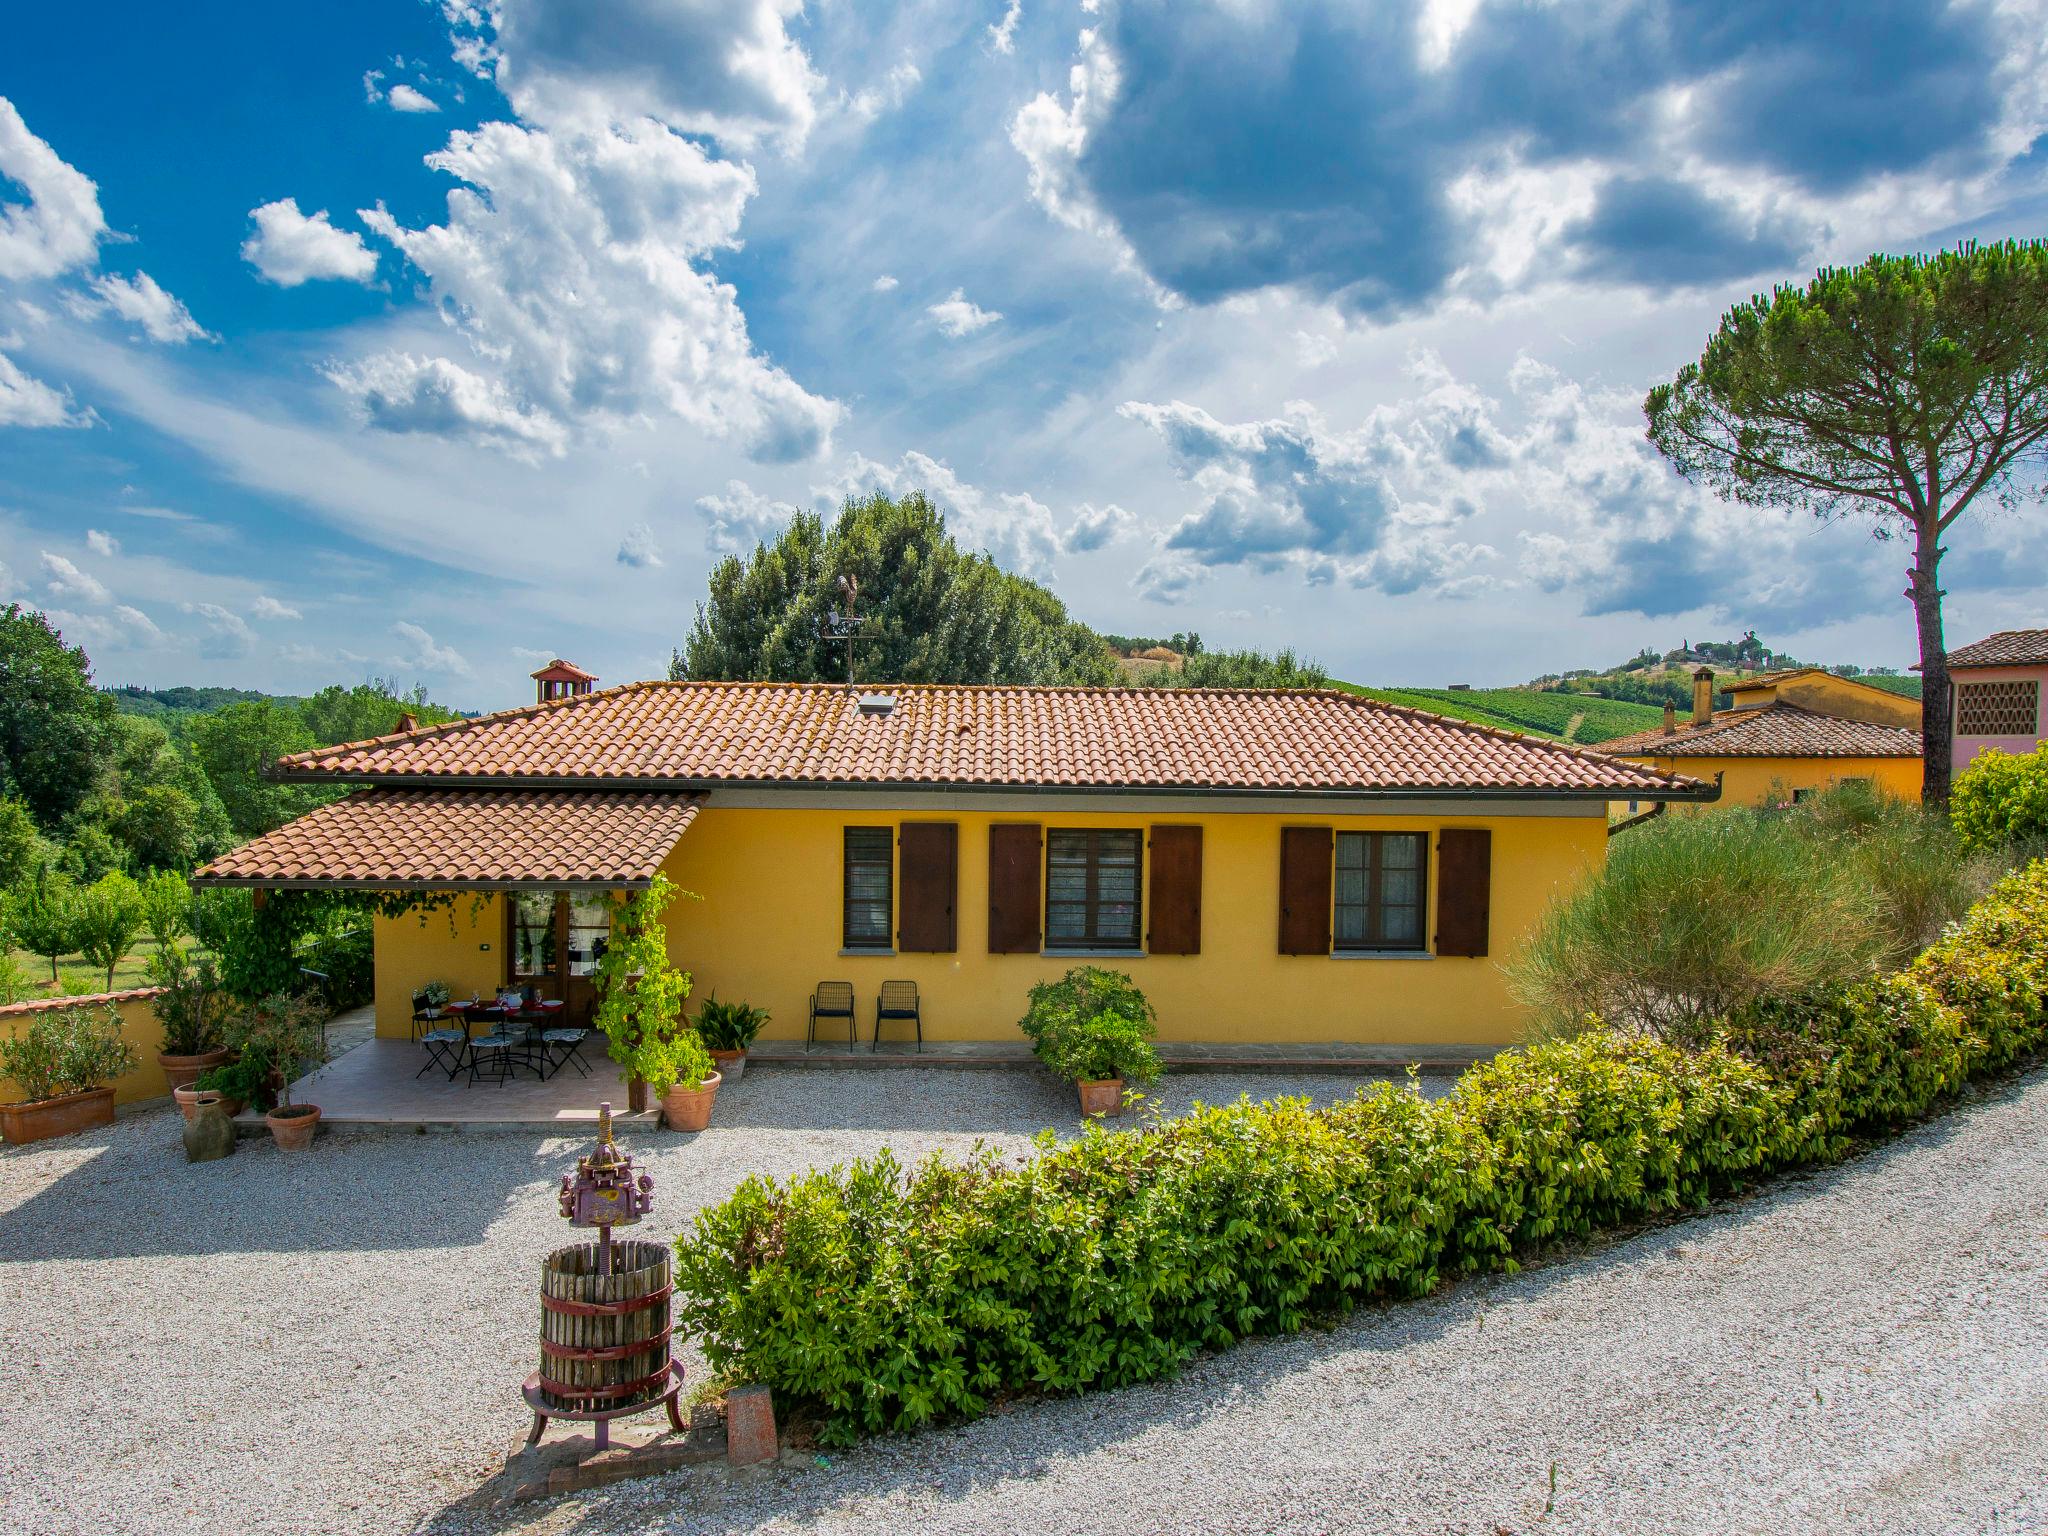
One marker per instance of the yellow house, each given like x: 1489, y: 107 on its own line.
x: 1787, y: 734
x: 1272, y: 866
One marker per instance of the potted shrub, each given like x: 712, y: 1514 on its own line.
x: 236, y: 1084
x: 192, y: 1008
x: 285, y: 1031
x: 65, y: 1060
x: 435, y: 996
x: 1095, y: 1028
x: 680, y: 1072
x: 640, y: 995
x: 727, y: 1030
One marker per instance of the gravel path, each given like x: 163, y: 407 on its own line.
x: 334, y: 1342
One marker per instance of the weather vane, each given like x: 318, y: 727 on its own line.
x: 844, y: 628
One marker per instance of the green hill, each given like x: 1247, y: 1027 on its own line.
x: 1578, y: 718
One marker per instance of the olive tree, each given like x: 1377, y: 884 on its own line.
x: 1905, y: 390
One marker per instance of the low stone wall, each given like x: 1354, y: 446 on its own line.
x: 138, y: 1027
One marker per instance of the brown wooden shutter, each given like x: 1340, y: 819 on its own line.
x: 1176, y: 891
x: 1464, y: 890
x: 927, y: 863
x: 1013, y: 908
x: 1305, y: 854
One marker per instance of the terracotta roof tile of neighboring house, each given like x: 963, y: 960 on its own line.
x: 1773, y: 730
x: 2007, y: 648
x: 988, y: 737
x: 397, y: 839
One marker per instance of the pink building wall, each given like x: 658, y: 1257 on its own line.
x: 1967, y: 747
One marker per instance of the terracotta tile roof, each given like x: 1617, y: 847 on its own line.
x: 706, y: 733
x: 1773, y: 730
x: 442, y: 839
x: 69, y: 1000
x: 2007, y: 648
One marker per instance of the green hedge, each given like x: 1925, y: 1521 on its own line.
x: 883, y: 1298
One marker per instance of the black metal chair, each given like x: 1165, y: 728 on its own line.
x: 562, y: 1047
x: 497, y: 1048
x: 898, y: 1001
x: 832, y: 1000
x: 445, y: 1042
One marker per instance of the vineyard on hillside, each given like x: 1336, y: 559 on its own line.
x: 1577, y: 718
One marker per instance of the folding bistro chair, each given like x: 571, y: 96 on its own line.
x: 832, y: 1000
x: 445, y: 1042
x: 494, y: 1049
x: 898, y: 1001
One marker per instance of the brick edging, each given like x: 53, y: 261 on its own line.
x: 46, y: 1004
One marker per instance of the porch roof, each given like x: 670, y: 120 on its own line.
x: 464, y: 839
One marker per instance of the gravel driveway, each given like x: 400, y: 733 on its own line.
x: 334, y: 1342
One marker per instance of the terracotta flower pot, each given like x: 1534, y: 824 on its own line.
x: 1101, y: 1096
x: 292, y: 1129
x: 689, y: 1109
x: 189, y: 1099
x: 65, y: 1115
x: 183, y: 1071
x: 731, y: 1064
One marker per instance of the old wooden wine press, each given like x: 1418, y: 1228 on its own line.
x: 604, y: 1342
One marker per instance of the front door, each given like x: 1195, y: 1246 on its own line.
x: 553, y: 942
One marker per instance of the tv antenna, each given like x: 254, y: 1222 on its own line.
x: 838, y: 628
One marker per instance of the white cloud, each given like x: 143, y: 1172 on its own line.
x: 404, y: 98
x: 1093, y: 527
x: 225, y: 636
x: 742, y: 517
x: 1015, y: 529
x: 1002, y: 35
x: 29, y: 402
x: 958, y: 315
x: 120, y: 628
x: 373, y: 86
x: 885, y: 284
x: 569, y: 261
x: 869, y: 103
x: 65, y: 579
x: 289, y: 248
x: 102, y: 543
x: 1314, y: 349
x: 638, y: 549
x: 60, y: 227
x: 397, y: 392
x: 139, y: 301
x: 268, y: 607
x: 423, y: 653
x: 726, y: 68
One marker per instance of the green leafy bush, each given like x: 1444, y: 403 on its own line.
x: 1093, y: 1024
x: 882, y: 1298
x: 67, y: 1050
x: 246, y: 1079
x: 729, y: 1026
x: 284, y: 1030
x: 193, y: 1006
x: 2002, y: 799
x: 640, y: 993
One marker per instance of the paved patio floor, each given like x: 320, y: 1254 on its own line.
x: 378, y: 1083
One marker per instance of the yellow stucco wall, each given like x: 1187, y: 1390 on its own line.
x: 768, y: 929
x: 1753, y: 780
x: 1843, y: 697
x: 139, y: 1027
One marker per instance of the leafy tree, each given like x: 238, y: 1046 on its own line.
x: 934, y: 614
x: 1240, y: 669
x: 237, y: 746
x: 90, y: 850
x: 53, y: 722
x: 110, y: 920
x: 42, y: 914
x: 166, y: 907
x: 337, y: 714
x: 146, y: 757
x: 21, y: 846
x: 160, y: 827
x: 1904, y: 389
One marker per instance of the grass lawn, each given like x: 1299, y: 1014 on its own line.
x: 76, y: 974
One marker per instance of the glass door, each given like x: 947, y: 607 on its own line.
x: 586, y: 930
x: 533, y: 943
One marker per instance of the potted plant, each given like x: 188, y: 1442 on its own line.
x: 236, y: 1084
x: 192, y: 1009
x: 727, y: 1029
x: 640, y: 995
x: 435, y: 996
x: 680, y: 1072
x: 285, y: 1031
x: 1095, y: 1028
x: 65, y: 1060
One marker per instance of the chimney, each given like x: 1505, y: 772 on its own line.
x: 408, y: 722
x: 1670, y: 719
x: 1703, y: 696
x: 560, y: 680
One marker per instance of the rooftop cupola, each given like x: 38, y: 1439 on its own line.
x: 559, y: 680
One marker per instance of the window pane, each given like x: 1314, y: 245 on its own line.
x: 1351, y: 850
x: 590, y: 926
x: 1351, y: 926
x: 533, y: 933
x: 1399, y: 886
x: 870, y: 871
x: 1401, y: 925
x: 1400, y: 850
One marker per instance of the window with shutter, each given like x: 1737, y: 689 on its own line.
x: 1464, y: 890
x: 1382, y: 878
x: 869, y: 868
x: 1092, y: 889
x: 1013, y: 858
x: 1176, y: 874
x: 929, y: 874
x: 1304, y: 890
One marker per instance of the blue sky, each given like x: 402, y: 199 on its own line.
x: 427, y: 340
